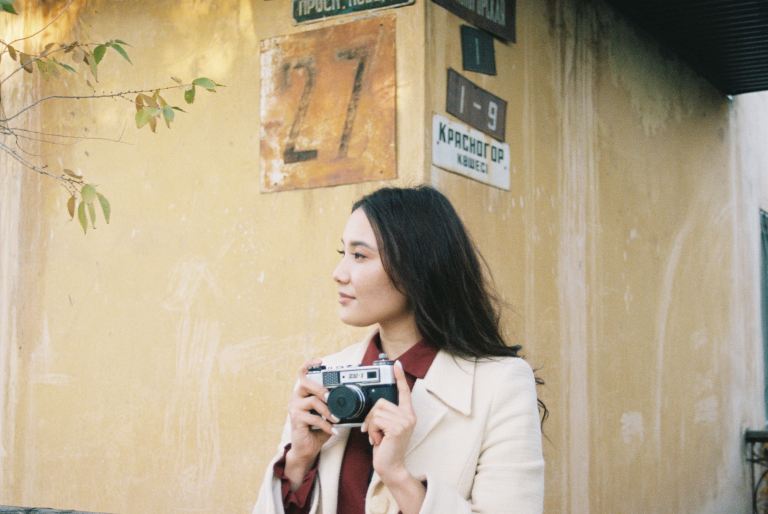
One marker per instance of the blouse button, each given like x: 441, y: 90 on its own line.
x: 379, y: 504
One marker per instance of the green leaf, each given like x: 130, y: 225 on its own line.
x: 178, y: 109
x: 81, y: 217
x: 205, y: 82
x: 26, y: 62
x: 105, y: 207
x: 94, y: 69
x: 168, y: 114
x: 119, y: 49
x: 71, y: 207
x: 7, y: 6
x: 189, y: 95
x: 98, y: 53
x: 145, y: 115
x: 92, y: 212
x: 88, y: 193
x: 66, y: 66
x: 121, y: 42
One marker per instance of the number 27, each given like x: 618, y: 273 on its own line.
x: 359, y: 54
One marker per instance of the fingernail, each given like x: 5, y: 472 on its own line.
x: 334, y: 419
x: 363, y: 428
x: 370, y: 440
x: 335, y: 431
x: 325, y: 397
x: 399, y: 364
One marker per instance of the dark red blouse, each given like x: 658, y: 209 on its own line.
x: 357, y: 465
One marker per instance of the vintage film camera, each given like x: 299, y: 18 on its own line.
x: 353, y: 390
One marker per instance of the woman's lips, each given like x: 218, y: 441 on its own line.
x: 345, y: 298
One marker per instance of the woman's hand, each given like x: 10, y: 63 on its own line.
x: 389, y: 428
x: 309, y: 431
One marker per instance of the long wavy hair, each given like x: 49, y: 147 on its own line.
x: 430, y: 258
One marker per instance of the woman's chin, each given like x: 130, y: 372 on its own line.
x: 354, y: 321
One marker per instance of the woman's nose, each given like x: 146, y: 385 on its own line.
x: 340, y: 274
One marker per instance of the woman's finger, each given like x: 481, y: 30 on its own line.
x: 309, y: 403
x: 311, y: 420
x: 390, y: 424
x: 308, y: 387
x: 403, y: 391
x: 309, y: 364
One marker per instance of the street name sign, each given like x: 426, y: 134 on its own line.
x: 466, y: 151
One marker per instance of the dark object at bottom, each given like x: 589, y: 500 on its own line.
x: 757, y: 456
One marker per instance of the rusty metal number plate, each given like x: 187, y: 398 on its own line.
x: 328, y: 106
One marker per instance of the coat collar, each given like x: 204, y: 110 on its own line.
x: 451, y: 379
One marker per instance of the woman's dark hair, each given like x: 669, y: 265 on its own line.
x: 430, y: 258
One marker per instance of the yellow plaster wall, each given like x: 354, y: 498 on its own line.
x: 152, y: 359
x: 627, y: 247
x: 157, y: 353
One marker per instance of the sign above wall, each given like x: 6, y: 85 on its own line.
x: 477, y: 52
x: 463, y: 150
x: 311, y: 10
x: 495, y: 16
x: 476, y: 106
x: 328, y: 106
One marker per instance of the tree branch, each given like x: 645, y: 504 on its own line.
x: 69, y: 136
x: 121, y: 94
x: 69, y: 183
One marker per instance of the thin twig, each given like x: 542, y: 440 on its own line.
x: 69, y: 183
x: 20, y: 147
x: 121, y: 94
x: 38, y: 57
x: 41, y: 140
x: 68, y: 136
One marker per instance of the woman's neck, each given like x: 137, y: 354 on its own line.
x: 398, y: 336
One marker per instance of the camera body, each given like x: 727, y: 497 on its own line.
x: 353, y: 390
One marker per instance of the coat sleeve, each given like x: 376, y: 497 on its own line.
x: 270, y: 499
x: 509, y: 476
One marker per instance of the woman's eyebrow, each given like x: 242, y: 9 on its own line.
x: 359, y: 243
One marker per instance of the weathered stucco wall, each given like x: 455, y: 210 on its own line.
x: 627, y: 248
x: 146, y: 366
x: 156, y: 356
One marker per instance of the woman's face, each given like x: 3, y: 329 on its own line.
x: 366, y: 294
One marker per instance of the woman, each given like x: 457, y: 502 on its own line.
x: 465, y: 434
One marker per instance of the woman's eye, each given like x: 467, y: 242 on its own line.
x: 358, y: 256
x: 340, y: 252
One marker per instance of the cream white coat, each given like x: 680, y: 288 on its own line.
x: 477, y: 442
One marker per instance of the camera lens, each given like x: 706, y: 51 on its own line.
x: 346, y: 402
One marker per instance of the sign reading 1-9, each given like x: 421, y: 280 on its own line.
x: 328, y: 106
x: 476, y: 106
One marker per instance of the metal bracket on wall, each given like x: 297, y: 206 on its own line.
x: 757, y: 456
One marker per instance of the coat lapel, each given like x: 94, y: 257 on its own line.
x: 447, y: 385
